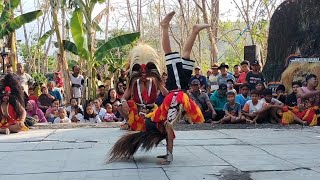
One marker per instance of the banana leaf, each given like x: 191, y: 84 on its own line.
x: 19, y: 21
x: 44, y: 37
x: 77, y: 32
x: 116, y: 42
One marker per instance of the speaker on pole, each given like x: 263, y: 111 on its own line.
x: 252, y: 53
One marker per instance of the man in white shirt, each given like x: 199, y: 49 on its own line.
x: 77, y: 82
x: 24, y: 78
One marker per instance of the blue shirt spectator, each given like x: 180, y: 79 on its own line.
x: 201, y: 78
x: 224, y: 74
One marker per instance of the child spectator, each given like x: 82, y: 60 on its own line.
x: 112, y: 97
x: 34, y: 111
x: 230, y: 84
x: 62, y: 116
x: 109, y: 116
x: 236, y: 75
x: 73, y: 103
x: 244, y: 70
x: 232, y: 110
x: 281, y: 96
x: 52, y: 111
x: 254, y: 108
x: 260, y: 87
x: 58, y: 80
x: 254, y: 76
x: 292, y: 98
x: 32, y: 94
x: 243, y: 97
x: 115, y: 110
x: 90, y: 115
x: 98, y: 109
x: 76, y: 114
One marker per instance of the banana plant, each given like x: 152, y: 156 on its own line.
x: 82, y: 27
x: 9, y: 23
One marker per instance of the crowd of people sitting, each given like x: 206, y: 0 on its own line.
x: 243, y: 97
x: 223, y: 97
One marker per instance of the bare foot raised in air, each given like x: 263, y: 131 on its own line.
x: 199, y: 27
x: 165, y: 22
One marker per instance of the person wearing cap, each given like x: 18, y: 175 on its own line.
x: 224, y: 75
x: 244, y: 70
x: 254, y: 75
x: 202, y: 100
x: 201, y: 78
x: 310, y: 91
x: 213, y: 78
x: 218, y: 99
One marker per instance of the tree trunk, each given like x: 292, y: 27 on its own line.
x: 13, y: 50
x: 212, y: 39
x: 130, y: 15
x: 66, y: 76
x: 26, y: 40
x: 107, y: 20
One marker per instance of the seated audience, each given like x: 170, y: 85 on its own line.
x: 202, y: 100
x: 292, y: 98
x: 32, y: 95
x: 62, y: 116
x: 232, y: 111
x: 110, y: 116
x: 102, y: 92
x: 55, y: 92
x: 213, y: 78
x: 112, y: 97
x: 76, y: 114
x: 218, y: 99
x: 254, y: 76
x: 98, y: 109
x: 200, y: 77
x: 260, y: 87
x: 115, y: 109
x: 120, y: 89
x: 274, y: 106
x: 90, y: 116
x: 224, y: 75
x: 34, y: 111
x: 52, y: 111
x: 230, y: 85
x: 236, y: 75
x: 280, y: 91
x: 45, y: 99
x: 73, y: 103
x: 243, y: 97
x: 254, y: 108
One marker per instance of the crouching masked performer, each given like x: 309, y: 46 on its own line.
x: 12, y: 112
x: 144, y: 84
x: 160, y: 122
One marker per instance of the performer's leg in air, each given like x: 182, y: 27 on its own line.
x: 180, y: 69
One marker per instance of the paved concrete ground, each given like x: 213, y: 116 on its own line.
x: 216, y: 154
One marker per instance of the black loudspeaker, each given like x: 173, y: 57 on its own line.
x: 252, y: 53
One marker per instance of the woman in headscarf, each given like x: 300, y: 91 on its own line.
x: 35, y: 112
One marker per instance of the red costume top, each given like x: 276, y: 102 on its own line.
x: 8, y: 117
x: 146, y: 96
